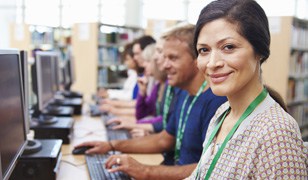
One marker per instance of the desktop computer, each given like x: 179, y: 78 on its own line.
x: 43, y: 164
x: 74, y: 103
x: 61, y: 128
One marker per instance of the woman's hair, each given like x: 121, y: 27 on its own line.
x: 149, y: 55
x: 128, y: 50
x: 251, y: 22
x: 277, y: 97
x: 248, y: 15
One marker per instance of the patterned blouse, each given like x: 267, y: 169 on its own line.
x: 267, y: 145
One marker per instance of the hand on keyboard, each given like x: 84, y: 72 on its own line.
x: 127, y: 165
x: 117, y: 123
x: 98, y: 147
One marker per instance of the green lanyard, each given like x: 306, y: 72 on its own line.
x: 247, y: 112
x: 182, y: 124
x: 169, y: 96
x: 157, y: 105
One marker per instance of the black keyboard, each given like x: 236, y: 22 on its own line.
x: 105, y: 118
x: 95, y: 111
x: 97, y: 170
x: 119, y: 134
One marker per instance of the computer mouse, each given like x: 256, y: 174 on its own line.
x: 81, y: 150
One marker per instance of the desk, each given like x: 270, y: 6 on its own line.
x: 88, y: 128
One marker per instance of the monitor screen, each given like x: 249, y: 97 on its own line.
x: 55, y: 73
x: 12, y: 134
x: 66, y: 75
x: 72, y: 69
x: 44, y: 80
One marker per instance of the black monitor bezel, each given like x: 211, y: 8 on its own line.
x: 20, y: 151
x: 25, y: 79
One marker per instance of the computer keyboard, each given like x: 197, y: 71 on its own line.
x: 95, y: 111
x: 105, y: 118
x: 97, y: 170
x: 119, y: 134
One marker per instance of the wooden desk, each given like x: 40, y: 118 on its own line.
x: 87, y: 128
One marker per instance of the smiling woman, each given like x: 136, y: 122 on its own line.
x: 251, y: 136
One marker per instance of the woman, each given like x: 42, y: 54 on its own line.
x: 149, y: 106
x: 120, y: 101
x: 251, y: 136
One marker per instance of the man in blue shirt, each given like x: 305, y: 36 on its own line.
x: 186, y: 129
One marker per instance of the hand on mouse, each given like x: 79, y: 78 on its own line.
x: 98, y: 147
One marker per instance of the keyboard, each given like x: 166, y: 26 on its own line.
x: 97, y: 170
x: 95, y: 111
x: 105, y: 118
x: 119, y: 134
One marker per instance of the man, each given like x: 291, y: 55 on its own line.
x: 186, y: 127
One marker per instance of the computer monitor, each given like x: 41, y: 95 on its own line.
x: 25, y: 85
x: 69, y: 73
x: 12, y: 134
x: 42, y: 80
x: 32, y: 145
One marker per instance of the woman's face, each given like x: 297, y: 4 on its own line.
x: 226, y: 58
x: 130, y: 62
x: 148, y: 67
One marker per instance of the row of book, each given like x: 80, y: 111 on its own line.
x: 106, y: 76
x: 299, y: 64
x: 38, y: 38
x: 297, y: 90
x: 299, y: 37
x: 108, y: 56
x: 300, y: 114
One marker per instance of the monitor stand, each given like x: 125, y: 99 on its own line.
x: 71, y: 94
x: 33, y: 146
x: 47, y: 119
x: 60, y: 111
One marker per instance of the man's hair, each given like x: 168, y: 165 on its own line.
x: 144, y: 41
x: 183, y: 33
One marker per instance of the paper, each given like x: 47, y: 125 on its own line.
x: 84, y: 32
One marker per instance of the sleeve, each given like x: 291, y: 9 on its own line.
x: 127, y: 92
x: 146, y: 105
x: 158, y: 126
x: 150, y: 120
x: 122, y: 94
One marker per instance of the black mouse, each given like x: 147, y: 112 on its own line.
x: 81, y: 150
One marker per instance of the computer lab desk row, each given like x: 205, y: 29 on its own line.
x: 88, y: 128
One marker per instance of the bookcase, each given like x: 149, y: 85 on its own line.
x: 30, y: 37
x: 287, y: 68
x: 111, y: 42
x: 97, y: 48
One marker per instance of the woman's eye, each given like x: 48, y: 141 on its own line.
x: 202, y: 50
x: 229, y: 47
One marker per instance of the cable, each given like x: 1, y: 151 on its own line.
x: 75, y: 165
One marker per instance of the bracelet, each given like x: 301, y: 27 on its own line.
x: 112, y: 147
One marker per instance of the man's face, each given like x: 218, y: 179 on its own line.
x: 179, y: 64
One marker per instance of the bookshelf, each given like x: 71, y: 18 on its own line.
x: 111, y: 42
x: 97, y: 48
x: 287, y: 68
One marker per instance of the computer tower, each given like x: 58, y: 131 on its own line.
x: 75, y: 103
x: 42, y: 165
x: 61, y: 129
